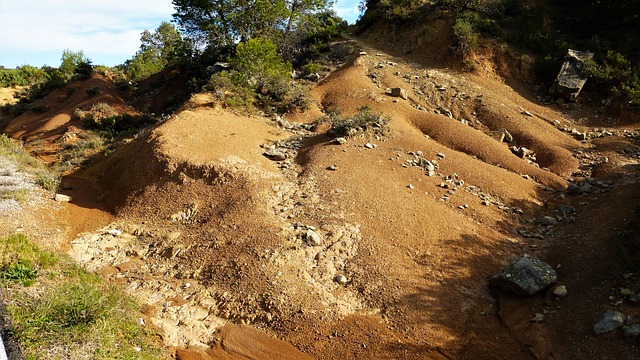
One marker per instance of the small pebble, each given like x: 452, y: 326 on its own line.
x: 560, y: 291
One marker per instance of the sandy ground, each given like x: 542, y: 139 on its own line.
x: 374, y: 259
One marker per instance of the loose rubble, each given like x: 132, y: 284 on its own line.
x: 525, y: 276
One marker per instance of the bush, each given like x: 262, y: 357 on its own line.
x: 364, y: 121
x: 466, y: 37
x: 312, y: 68
x: 93, y: 91
x: 258, y: 66
x: 123, y: 123
x: 259, y: 79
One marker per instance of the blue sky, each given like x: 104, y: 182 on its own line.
x: 35, y: 32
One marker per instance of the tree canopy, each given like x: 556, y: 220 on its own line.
x: 226, y: 22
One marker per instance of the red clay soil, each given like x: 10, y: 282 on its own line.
x: 418, y: 249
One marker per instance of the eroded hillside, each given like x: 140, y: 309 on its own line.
x: 379, y: 246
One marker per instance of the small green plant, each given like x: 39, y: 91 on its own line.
x: 364, y: 121
x: 467, y: 38
x: 17, y: 194
x: 93, y: 91
x: 47, y: 180
x: 17, y: 248
x: 311, y: 68
x: 19, y: 272
x: 73, y: 313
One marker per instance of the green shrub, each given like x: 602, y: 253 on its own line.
x: 21, y: 259
x: 103, y: 118
x: 364, y: 121
x: 258, y: 66
x: 19, y: 272
x: 311, y: 68
x: 93, y: 91
x: 259, y: 79
x: 466, y: 37
x: 47, y: 180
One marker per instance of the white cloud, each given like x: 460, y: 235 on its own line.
x: 94, y: 26
x: 103, y: 29
x: 347, y: 9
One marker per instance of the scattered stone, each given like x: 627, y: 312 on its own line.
x: 537, y: 318
x: 341, y: 279
x: 444, y: 111
x: 440, y: 155
x: 333, y: 167
x: 566, y: 209
x: 521, y: 151
x: 428, y: 166
x: 573, y: 188
x: 114, y: 232
x: 527, y: 113
x: 497, y: 135
x: 625, y: 292
x: 525, y: 276
x: 341, y: 140
x: 370, y: 146
x: 275, y: 154
x: 410, y: 186
x: 399, y: 92
x: 313, y: 77
x: 560, y: 291
x: 507, y: 135
x: 586, y: 187
x: 527, y: 234
x: 631, y: 330
x: 62, y: 198
x: 608, y: 322
x: 312, y: 238
x: 548, y: 221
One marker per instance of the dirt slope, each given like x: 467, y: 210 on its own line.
x: 372, y: 258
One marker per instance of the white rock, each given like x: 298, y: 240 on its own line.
x: 114, y: 232
x: 560, y: 291
x: 341, y: 279
x: 62, y: 198
x: 312, y: 238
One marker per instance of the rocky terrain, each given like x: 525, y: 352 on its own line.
x: 246, y: 236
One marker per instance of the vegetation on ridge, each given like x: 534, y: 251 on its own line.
x: 545, y: 28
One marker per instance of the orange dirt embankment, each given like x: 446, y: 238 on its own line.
x: 413, y: 251
x: 427, y: 244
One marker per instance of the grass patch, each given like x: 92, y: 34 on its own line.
x: 19, y: 194
x: 23, y: 161
x: 363, y: 122
x: 74, y: 155
x: 71, y: 313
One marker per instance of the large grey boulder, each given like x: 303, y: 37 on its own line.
x: 572, y: 76
x: 525, y: 276
x: 610, y: 321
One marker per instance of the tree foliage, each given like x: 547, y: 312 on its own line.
x: 74, y: 63
x: 159, y: 49
x: 226, y: 22
x: 25, y: 75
